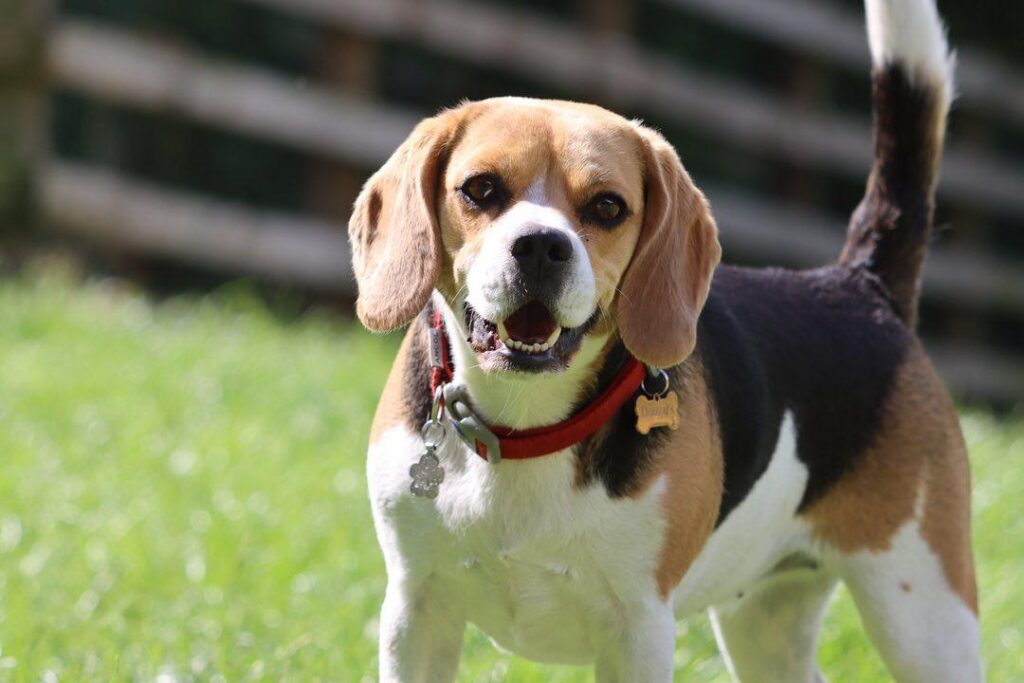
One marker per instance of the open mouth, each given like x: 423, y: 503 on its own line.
x: 532, y: 329
x: 530, y: 339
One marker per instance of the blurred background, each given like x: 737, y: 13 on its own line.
x: 187, y: 143
x: 184, y: 396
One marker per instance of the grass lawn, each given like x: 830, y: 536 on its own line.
x: 182, y: 495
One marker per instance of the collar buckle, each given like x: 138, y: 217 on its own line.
x: 469, y: 426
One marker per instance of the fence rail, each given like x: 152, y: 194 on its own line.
x: 117, y: 66
x: 120, y: 67
x: 834, y: 35
x: 631, y: 79
x: 134, y: 216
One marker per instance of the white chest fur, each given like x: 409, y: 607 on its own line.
x: 548, y: 569
x: 545, y: 568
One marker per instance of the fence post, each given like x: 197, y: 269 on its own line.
x: 348, y: 61
x: 23, y: 111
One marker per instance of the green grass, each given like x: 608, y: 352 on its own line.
x: 182, y: 493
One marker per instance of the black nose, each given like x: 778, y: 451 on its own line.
x: 542, y: 251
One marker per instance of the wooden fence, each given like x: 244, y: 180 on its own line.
x: 115, y: 66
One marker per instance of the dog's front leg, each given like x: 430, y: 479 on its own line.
x: 644, y: 650
x: 420, y: 634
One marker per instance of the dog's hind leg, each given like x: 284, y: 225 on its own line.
x: 925, y: 630
x: 769, y: 634
x: 896, y: 529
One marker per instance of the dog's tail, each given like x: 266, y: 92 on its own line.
x: 912, y: 87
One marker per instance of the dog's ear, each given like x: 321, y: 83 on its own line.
x: 667, y: 281
x: 394, y: 231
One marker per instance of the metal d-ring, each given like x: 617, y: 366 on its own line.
x: 652, y: 373
x: 433, y: 434
x: 437, y: 404
x: 432, y: 430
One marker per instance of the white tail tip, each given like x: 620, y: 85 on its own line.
x: 910, y: 32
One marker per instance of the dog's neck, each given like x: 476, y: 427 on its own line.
x: 521, y: 401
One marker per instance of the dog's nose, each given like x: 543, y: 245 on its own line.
x: 542, y: 251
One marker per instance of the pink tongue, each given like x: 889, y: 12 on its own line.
x: 531, y: 324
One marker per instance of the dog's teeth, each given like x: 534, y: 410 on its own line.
x: 524, y: 347
x: 517, y: 345
x: 554, y: 337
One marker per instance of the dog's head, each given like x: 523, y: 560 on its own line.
x: 540, y: 222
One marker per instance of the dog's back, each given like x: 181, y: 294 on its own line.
x: 825, y: 345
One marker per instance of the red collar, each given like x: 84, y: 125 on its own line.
x: 521, y: 444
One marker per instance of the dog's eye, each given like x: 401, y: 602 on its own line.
x: 483, y: 190
x: 606, y: 210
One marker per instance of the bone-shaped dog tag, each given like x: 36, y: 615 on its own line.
x: 657, y: 411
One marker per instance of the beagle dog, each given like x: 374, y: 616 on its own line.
x: 593, y: 430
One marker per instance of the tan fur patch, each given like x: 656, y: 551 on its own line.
x: 693, y: 469
x: 946, y: 524
x: 918, y: 456
x: 393, y: 407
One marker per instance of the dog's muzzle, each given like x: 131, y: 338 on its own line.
x: 530, y: 300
